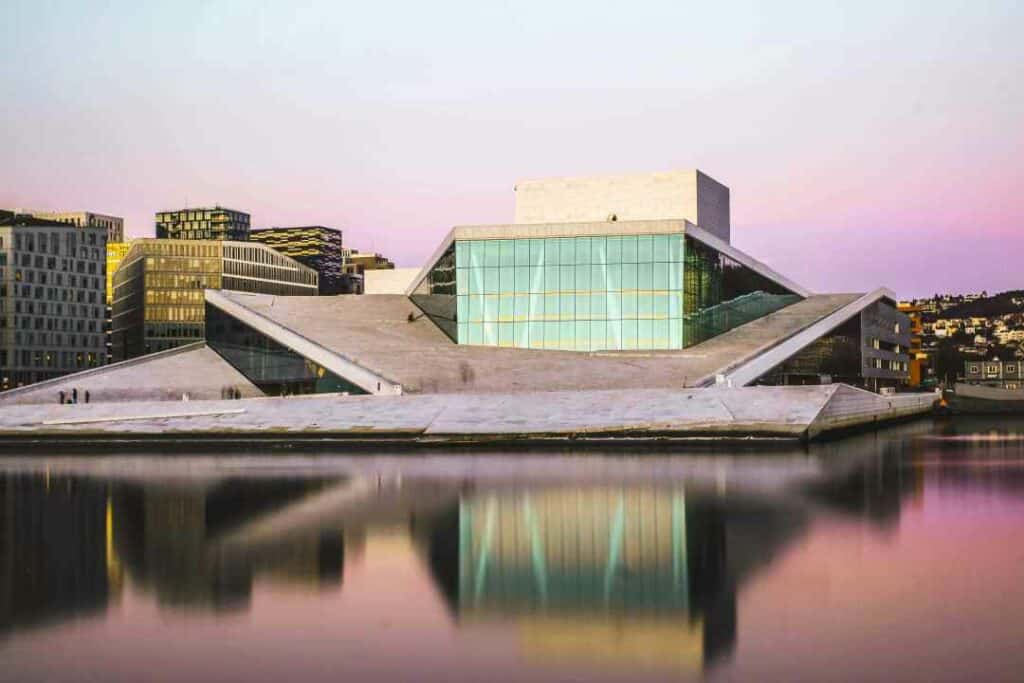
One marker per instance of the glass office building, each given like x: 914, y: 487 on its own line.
x: 158, y: 301
x: 593, y: 292
x: 315, y: 246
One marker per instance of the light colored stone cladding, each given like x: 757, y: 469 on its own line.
x: 680, y: 195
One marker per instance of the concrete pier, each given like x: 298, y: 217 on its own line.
x: 579, y: 417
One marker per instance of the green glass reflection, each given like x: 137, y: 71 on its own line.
x: 598, y: 293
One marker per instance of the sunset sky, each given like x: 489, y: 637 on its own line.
x: 879, y: 143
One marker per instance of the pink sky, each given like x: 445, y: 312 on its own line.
x: 866, y: 145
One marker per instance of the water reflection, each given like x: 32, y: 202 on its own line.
x: 55, y: 559
x: 620, y: 577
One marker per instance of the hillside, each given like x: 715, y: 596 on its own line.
x: 999, y: 304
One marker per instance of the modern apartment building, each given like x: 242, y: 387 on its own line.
x: 315, y: 246
x: 114, y: 225
x: 51, y: 298
x: 203, y: 223
x: 158, y: 288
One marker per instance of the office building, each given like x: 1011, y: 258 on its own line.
x: 51, y: 298
x: 203, y: 223
x: 114, y: 225
x: 315, y: 246
x: 116, y: 251
x: 158, y: 288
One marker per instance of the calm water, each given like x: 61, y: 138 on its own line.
x: 891, y: 556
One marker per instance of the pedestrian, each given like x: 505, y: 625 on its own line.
x: 86, y: 395
x: 62, y: 398
x: 74, y: 395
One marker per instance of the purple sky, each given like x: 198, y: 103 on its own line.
x: 874, y: 144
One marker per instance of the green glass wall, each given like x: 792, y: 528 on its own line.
x: 720, y: 294
x: 573, y: 293
x: 593, y: 293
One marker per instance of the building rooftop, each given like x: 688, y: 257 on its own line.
x: 10, y: 219
x: 390, y: 338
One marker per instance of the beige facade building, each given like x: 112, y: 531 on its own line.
x: 684, y: 195
x: 114, y: 225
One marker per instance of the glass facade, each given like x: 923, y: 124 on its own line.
x: 315, y: 246
x: 274, y: 368
x: 836, y: 357
x: 158, y: 300
x: 720, y: 294
x: 593, y: 293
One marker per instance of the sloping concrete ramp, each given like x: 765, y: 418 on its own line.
x: 194, y: 369
x: 580, y: 417
x: 386, y: 345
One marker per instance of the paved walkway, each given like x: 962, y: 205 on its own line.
x: 771, y: 412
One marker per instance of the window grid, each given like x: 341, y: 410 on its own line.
x: 571, y: 293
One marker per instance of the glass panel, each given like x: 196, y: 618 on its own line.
x: 579, y: 293
x: 645, y: 249
x: 567, y: 252
x: 644, y: 276
x: 583, y: 248
x: 660, y: 249
x: 491, y: 282
x: 436, y: 295
x: 522, y: 252
x: 551, y: 252
x: 720, y: 294
x: 492, y: 253
x: 272, y: 367
x: 629, y: 251
x: 507, y: 254
x: 567, y: 278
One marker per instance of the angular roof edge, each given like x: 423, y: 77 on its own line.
x: 584, y: 229
x: 748, y: 372
x: 723, y: 247
x: 341, y: 366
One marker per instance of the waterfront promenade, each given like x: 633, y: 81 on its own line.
x: 794, y: 413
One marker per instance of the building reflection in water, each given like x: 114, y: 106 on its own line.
x: 166, y: 537
x: 54, y: 561
x: 616, y: 576
x: 633, y: 577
